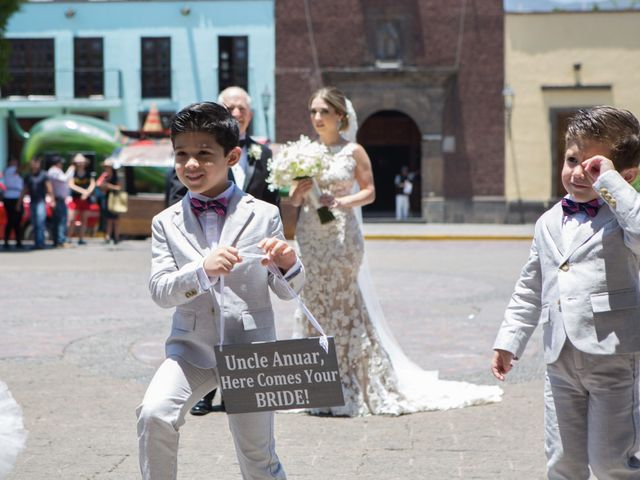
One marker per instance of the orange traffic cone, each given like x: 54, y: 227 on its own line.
x: 152, y: 122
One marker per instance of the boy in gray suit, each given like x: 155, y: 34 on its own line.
x: 581, y: 283
x: 195, y: 243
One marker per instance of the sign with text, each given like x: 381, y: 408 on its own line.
x: 280, y: 375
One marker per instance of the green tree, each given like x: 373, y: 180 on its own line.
x: 7, y: 8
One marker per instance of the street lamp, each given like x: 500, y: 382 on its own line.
x: 266, y: 101
x: 509, y: 97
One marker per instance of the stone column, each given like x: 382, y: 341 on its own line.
x: 432, y: 178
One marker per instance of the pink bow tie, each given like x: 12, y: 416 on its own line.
x: 218, y: 206
x: 569, y: 207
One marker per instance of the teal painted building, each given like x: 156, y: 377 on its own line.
x: 115, y: 59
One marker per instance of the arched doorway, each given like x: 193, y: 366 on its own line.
x: 392, y: 139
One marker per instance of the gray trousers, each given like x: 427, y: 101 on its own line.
x: 592, y: 416
x: 174, y: 389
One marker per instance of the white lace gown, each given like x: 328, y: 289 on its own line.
x: 373, y: 381
x: 12, y: 433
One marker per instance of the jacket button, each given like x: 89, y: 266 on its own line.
x: 564, y: 267
x: 612, y: 203
x: 604, y: 191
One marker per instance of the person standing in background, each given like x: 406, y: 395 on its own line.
x: 404, y: 187
x: 37, y: 186
x: 14, y: 185
x: 60, y: 185
x: 109, y: 183
x: 82, y: 186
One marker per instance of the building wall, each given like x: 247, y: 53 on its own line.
x: 450, y: 84
x: 541, y: 50
x: 194, y: 54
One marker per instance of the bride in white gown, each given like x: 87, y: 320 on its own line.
x: 377, y: 378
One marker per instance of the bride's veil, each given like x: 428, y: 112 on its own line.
x: 409, y: 374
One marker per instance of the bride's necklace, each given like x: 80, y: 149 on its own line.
x: 335, y: 148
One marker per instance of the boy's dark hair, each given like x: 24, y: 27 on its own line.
x: 619, y: 129
x: 207, y: 117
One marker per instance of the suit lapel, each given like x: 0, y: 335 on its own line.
x: 586, y: 231
x: 189, y: 226
x: 554, y: 229
x: 239, y: 214
x: 251, y: 165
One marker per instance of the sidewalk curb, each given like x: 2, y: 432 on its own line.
x: 374, y: 236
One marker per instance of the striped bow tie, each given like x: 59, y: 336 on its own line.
x: 569, y: 207
x: 218, y: 206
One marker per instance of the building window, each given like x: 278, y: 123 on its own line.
x: 31, y: 67
x: 156, y: 67
x: 233, y: 62
x: 88, y: 68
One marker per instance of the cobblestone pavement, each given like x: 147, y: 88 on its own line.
x: 81, y: 339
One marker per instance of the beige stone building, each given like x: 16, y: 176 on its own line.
x: 555, y: 63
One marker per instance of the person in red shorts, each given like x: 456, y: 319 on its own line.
x: 82, y: 186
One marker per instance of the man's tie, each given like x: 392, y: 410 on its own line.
x: 243, y: 142
x: 569, y: 207
x: 218, y: 206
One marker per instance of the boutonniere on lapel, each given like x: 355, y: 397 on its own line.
x: 254, y: 153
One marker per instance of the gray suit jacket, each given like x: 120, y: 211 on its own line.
x: 588, y: 293
x: 178, y: 248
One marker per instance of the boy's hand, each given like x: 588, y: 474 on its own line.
x: 501, y: 363
x: 279, y: 252
x: 221, y: 261
x: 595, y: 166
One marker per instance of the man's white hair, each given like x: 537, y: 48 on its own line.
x: 229, y: 91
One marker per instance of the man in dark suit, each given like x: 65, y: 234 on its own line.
x: 250, y: 174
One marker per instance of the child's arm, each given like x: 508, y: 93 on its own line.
x: 615, y: 189
x: 169, y: 285
x: 523, y: 312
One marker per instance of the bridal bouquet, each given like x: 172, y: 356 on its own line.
x: 295, y: 161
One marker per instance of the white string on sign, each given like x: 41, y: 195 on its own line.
x: 323, y: 340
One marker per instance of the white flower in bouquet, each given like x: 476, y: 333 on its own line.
x: 296, y: 160
x: 299, y: 159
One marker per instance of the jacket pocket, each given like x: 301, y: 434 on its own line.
x: 616, y: 300
x: 185, y: 321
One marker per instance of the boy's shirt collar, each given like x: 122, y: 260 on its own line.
x: 570, y: 197
x: 227, y: 194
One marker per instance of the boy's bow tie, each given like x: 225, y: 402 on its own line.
x: 218, y: 206
x: 569, y: 207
